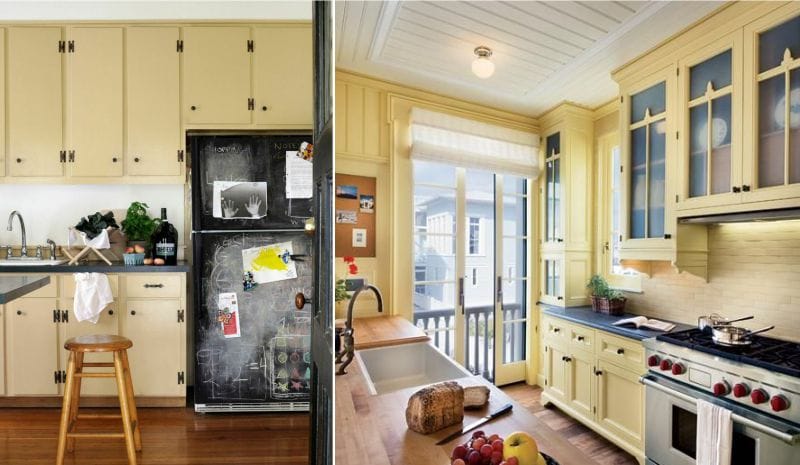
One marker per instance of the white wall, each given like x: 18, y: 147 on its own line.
x: 48, y: 210
x: 154, y: 10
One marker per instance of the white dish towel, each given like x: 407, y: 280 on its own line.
x: 714, y: 434
x: 92, y: 294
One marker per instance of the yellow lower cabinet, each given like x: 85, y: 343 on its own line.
x: 156, y: 356
x: 2, y: 351
x: 70, y: 327
x: 555, y: 372
x: 32, y: 360
x: 580, y: 393
x: 620, y: 403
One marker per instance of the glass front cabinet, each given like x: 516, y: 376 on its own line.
x: 648, y: 159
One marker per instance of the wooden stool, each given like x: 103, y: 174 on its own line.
x: 77, y: 347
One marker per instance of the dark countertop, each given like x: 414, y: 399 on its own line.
x: 12, y: 287
x: 585, y: 316
x: 97, y: 267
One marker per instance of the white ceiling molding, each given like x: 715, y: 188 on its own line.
x: 544, y: 52
x: 70, y: 10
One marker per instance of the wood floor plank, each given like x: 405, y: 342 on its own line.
x: 170, y: 436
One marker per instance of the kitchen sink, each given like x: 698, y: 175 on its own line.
x: 392, y: 368
x: 30, y: 262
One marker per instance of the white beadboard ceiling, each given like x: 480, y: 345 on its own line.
x: 544, y: 52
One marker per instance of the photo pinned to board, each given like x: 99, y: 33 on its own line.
x: 270, y: 263
x: 228, y: 314
x: 248, y: 282
x: 239, y: 200
x: 346, y: 216
x: 366, y: 203
x: 359, y: 237
x: 347, y: 192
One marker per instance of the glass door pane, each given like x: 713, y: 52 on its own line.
x: 638, y: 182
x: 514, y: 269
x: 771, y: 119
x: 657, y: 179
x: 698, y: 150
x: 721, y: 145
x: 794, y: 125
x: 552, y: 217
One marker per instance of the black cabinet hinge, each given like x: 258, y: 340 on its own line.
x: 620, y: 99
x: 676, y: 198
x: 677, y: 135
x: 181, y: 378
x: 63, y: 376
x: 71, y: 46
x: 677, y: 71
x: 65, y: 316
x: 594, y: 409
x: 179, y: 46
x: 56, y: 377
x: 71, y: 156
x: 545, y: 381
x: 667, y: 236
x: 56, y: 316
x: 62, y: 46
x: 250, y: 46
x: 62, y: 156
x: 181, y: 316
x: 180, y: 156
x: 251, y: 104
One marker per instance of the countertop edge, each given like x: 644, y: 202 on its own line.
x: 181, y: 267
x: 579, y: 315
x: 24, y: 289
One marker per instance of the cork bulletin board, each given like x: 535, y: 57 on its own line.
x: 354, y: 213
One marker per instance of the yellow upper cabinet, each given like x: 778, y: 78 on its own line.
x: 2, y: 112
x: 216, y: 75
x: 35, y: 101
x: 154, y: 139
x: 283, y: 75
x: 94, y: 106
x: 772, y: 107
x: 360, y: 132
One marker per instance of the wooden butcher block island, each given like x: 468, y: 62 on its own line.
x: 371, y: 429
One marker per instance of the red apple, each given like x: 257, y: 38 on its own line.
x: 158, y: 261
x: 128, y: 249
x: 138, y: 248
x: 148, y: 261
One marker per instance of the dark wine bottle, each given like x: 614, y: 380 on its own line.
x: 165, y: 241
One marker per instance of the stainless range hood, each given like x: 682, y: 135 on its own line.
x: 744, y: 217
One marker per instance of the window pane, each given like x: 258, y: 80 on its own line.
x: 553, y: 200
x: 657, y: 178
x: 772, y: 44
x: 698, y: 150
x: 654, y: 98
x: 771, y: 119
x: 433, y: 258
x: 716, y: 70
x: 514, y: 262
x: 515, y: 184
x: 514, y: 216
x: 553, y: 145
x: 794, y: 124
x: 638, y: 181
x: 616, y: 208
x: 514, y: 324
x: 434, y: 297
x: 434, y: 210
x: 721, y: 145
x: 426, y: 172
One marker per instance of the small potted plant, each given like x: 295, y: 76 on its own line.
x: 138, y: 226
x: 605, y: 299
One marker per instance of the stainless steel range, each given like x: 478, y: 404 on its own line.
x: 759, y: 383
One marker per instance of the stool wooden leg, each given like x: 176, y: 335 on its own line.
x: 137, y: 434
x: 124, y: 410
x: 76, y: 400
x: 65, y: 409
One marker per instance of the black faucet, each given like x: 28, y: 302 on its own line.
x: 345, y: 357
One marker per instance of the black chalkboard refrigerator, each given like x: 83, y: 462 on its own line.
x: 251, y: 196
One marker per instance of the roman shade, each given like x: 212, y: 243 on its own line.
x: 467, y: 143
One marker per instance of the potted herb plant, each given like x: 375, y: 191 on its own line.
x: 605, y: 299
x: 138, y: 225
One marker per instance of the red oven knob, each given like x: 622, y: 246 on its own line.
x: 758, y: 396
x: 721, y: 389
x: 678, y: 369
x: 653, y: 360
x: 666, y: 364
x: 778, y: 403
x: 740, y: 390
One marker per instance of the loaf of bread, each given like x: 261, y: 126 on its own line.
x: 475, y: 396
x: 435, y: 407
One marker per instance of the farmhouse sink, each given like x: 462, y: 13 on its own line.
x: 30, y: 262
x: 392, y: 368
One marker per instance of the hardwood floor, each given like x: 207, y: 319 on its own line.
x: 170, y: 436
x: 592, y: 444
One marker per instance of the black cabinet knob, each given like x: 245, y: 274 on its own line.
x: 561, y: 297
x: 136, y: 160
x: 19, y: 160
x: 19, y: 312
x: 598, y: 372
x: 667, y: 236
x: 580, y: 338
x: 620, y: 351
x: 193, y: 108
x: 736, y: 189
x: 133, y: 312
x: 111, y: 312
x: 264, y: 108
x: 114, y: 159
x: 745, y: 188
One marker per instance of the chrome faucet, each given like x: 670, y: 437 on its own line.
x: 24, y: 251
x: 52, y: 246
x: 346, y: 355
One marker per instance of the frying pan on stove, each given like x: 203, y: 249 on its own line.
x: 735, y: 336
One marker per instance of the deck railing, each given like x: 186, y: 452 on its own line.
x: 479, y: 335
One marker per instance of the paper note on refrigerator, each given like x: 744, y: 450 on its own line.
x: 228, y: 314
x: 239, y: 200
x: 270, y: 263
x: 299, y: 177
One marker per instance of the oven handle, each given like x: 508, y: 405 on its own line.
x: 785, y: 437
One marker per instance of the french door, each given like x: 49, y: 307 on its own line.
x: 471, y: 267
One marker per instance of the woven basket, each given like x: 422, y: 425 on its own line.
x: 607, y: 306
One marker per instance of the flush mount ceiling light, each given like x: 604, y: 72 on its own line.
x: 482, y: 66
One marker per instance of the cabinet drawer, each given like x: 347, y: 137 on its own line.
x: 624, y: 352
x: 67, y: 285
x: 147, y: 285
x: 555, y: 329
x: 581, y: 337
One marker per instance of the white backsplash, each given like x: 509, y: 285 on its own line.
x: 48, y: 210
